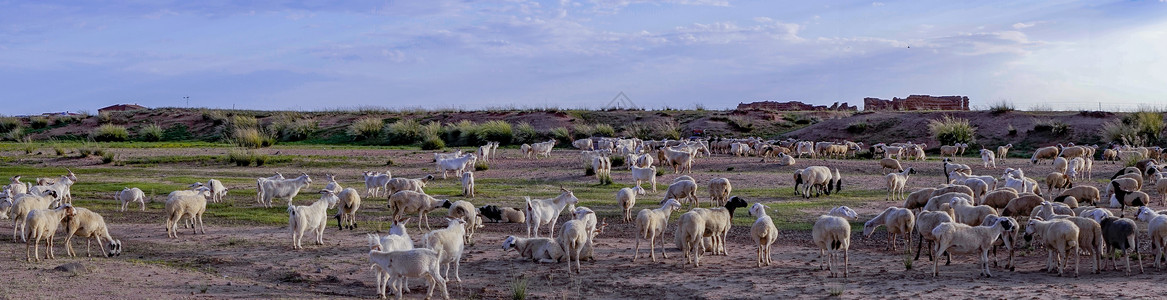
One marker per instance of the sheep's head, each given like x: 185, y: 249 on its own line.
x: 1006, y: 224
x: 581, y: 212
x: 374, y: 241
x: 509, y: 243
x: 734, y: 203
x: 71, y: 176
x: 672, y: 203
x: 845, y: 212
x: 757, y: 210
x: 1145, y: 214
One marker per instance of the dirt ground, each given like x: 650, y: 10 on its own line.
x: 253, y: 261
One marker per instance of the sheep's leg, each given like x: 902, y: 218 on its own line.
x: 69, y: 246
x: 636, y: 251
x: 1049, y: 260
x: 27, y: 254
x: 1077, y: 259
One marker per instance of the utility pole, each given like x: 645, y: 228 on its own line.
x: 187, y: 98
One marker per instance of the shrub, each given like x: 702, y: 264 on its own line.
x: 38, y: 122
x: 431, y: 129
x: 65, y: 120
x: 150, y: 133
x: 176, y: 132
x: 369, y: 128
x: 463, y: 133
x: 433, y: 142
x: 7, y: 124
x: 481, y: 166
x: 562, y: 135
x: 251, y: 138
x: 107, y: 157
x: 1148, y: 124
x: 617, y: 160
x: 59, y: 150
x: 1001, y: 107
x: 668, y: 130
x: 741, y: 123
x: 496, y: 131
x: 582, y: 131
x: 857, y: 127
x: 604, y: 130
x: 1051, y: 126
x: 292, y: 128
x: 403, y: 132
x: 240, y: 158
x: 16, y: 134
x: 525, y: 133
x: 241, y: 121
x: 949, y: 130
x: 639, y: 131
x: 110, y: 133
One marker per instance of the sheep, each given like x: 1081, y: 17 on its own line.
x: 957, y: 238
x: 1127, y: 182
x: 1067, y: 200
x: 504, y: 214
x: 404, y: 202
x: 896, y: 183
x: 1120, y: 234
x: 817, y: 177
x: 683, y: 189
x: 1002, y: 151
x: 1044, y: 153
x: 602, y: 166
x: 832, y: 234
x: 218, y: 190
x: 925, y: 222
x: 310, y: 217
x: 650, y: 225
x: 690, y: 230
x: 952, y: 151
x: 764, y: 233
x: 1161, y: 187
x: 1047, y: 210
x: 468, y: 184
x: 1084, y: 194
x: 935, y: 202
x: 644, y: 174
x: 284, y: 188
x: 953, y: 188
x: 1021, y: 205
x: 592, y: 227
x: 1076, y: 168
x: 1110, y: 155
x: 43, y: 223
x: 1089, y: 238
x: 919, y: 198
x: 785, y: 160
x: 17, y: 187
x: 898, y: 221
x: 259, y: 186
x: 349, y: 201
x: 449, y: 243
x: 88, y: 224
x: 1156, y: 229
x: 458, y: 165
x: 541, y: 149
x: 464, y: 210
x: 679, y: 160
x: 421, y: 263
x: 25, y: 203
x: 5, y: 203
x: 542, y: 250
x: 395, y: 185
x: 61, y: 188
x: 375, y: 183
x: 626, y: 197
x: 1061, y: 164
x: 441, y: 156
x: 127, y: 195
x: 546, y: 211
x: 988, y: 159
x: 718, y: 221
x: 583, y: 144
x: 1125, y: 198
x: 719, y: 190
x: 572, y: 238
x: 396, y: 240
x: 1056, y: 180
x: 1060, y: 239
x: 968, y: 214
x: 998, y: 199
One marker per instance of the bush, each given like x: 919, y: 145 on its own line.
x: 617, y: 160
x: 1001, y: 107
x: 107, y: 157
x: 251, y: 138
x: 582, y: 131
x: 110, y: 133
x: 8, y: 124
x: 292, y: 128
x: 369, y: 128
x: 38, y: 122
x: 857, y: 127
x: 525, y: 134
x: 59, y: 150
x: 463, y: 133
x: 241, y: 121
x: 16, y: 134
x: 560, y: 134
x: 1051, y: 126
x: 433, y: 143
x: 1148, y: 124
x: 65, y: 120
x: 150, y: 133
x: 240, y: 158
x: 638, y: 131
x: 481, y: 166
x: 176, y: 132
x: 604, y: 130
x: 403, y: 132
x: 949, y: 130
x: 1119, y: 133
x: 741, y: 123
x: 668, y: 130
x: 496, y: 131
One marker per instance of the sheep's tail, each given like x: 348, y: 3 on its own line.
x: 528, y: 199
x: 291, y: 211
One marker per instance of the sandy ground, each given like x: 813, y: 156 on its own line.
x: 257, y: 262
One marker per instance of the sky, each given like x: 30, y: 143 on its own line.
x: 442, y: 54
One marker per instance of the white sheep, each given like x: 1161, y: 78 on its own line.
x: 1002, y: 151
x: 650, y: 225
x: 25, y: 203
x: 349, y: 201
x: 331, y: 184
x: 626, y: 197
x: 645, y: 174
x: 465, y: 210
x: 17, y: 187
x: 1061, y: 164
x: 681, y: 161
x: 925, y: 222
x: 546, y: 211
x: 763, y: 232
x: 127, y: 195
x: 218, y: 190
x: 957, y: 238
x: 449, y: 243
x: 441, y: 156
x: 1060, y: 238
x: 896, y: 182
x: 899, y: 221
x: 592, y: 227
x: 832, y: 234
x: 419, y: 263
x: 690, y: 230
x: 785, y: 160
x: 395, y: 185
x: 1157, y: 230
x: 375, y: 183
x: 542, y: 250
x: 404, y: 202
x: 43, y: 223
x: 819, y: 178
x: 719, y: 190
x: 88, y: 224
x: 396, y: 240
x: 284, y: 188
x: 718, y: 221
x: 314, y: 217
x: 179, y: 205
x: 468, y: 184
x: 969, y: 214
x: 1089, y: 238
x: 259, y: 186
x: 572, y: 238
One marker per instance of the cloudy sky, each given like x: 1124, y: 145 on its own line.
x: 304, y: 55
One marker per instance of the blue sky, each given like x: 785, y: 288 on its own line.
x: 306, y: 55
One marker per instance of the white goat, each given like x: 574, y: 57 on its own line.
x: 314, y: 217
x: 284, y: 188
x: 546, y: 211
x: 449, y: 243
x: 127, y: 195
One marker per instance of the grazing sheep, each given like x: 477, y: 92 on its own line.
x: 464, y: 210
x: 1021, y: 205
x: 284, y: 188
x: 919, y: 198
x: 764, y: 233
x: 626, y: 197
x: 1061, y: 164
x: 1060, y: 239
x: 546, y: 211
x: 718, y: 221
x: 88, y: 224
x: 1089, y: 238
x: 645, y: 174
x: 1157, y: 229
x: 404, y: 202
x: 898, y: 221
x: 602, y: 166
x: 832, y: 234
x: 819, y: 178
x: 925, y: 222
x: 935, y: 202
x: 1056, y: 180
x: 25, y: 203
x: 127, y: 195
x: 719, y: 190
x: 449, y: 243
x: 650, y: 225
x: 1044, y: 153
x: 998, y: 199
x: 314, y: 217
x: 395, y: 185
x: 968, y: 214
x: 504, y: 214
x: 418, y: 263
x: 896, y: 183
x: 1084, y: 194
x: 468, y: 184
x: 542, y: 250
x: 572, y: 238
x: 1125, y: 198
x: 43, y: 223
x: 1003, y: 151
x: 1068, y: 200
x: 348, y: 204
x: 957, y: 238
x: 1047, y: 210
x: 683, y: 189
x: 953, y: 188
x: 1119, y: 234
x: 891, y: 163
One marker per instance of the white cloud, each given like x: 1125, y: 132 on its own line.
x: 877, y: 4
x: 1023, y: 25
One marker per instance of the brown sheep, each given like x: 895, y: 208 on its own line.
x: 999, y: 198
x: 1022, y: 206
x: 1044, y: 153
x: 1084, y: 194
x: 1057, y: 180
x: 1075, y: 151
x: 891, y: 163
x: 919, y: 198
x: 952, y: 188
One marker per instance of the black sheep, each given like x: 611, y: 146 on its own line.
x: 1119, y: 233
x: 491, y: 212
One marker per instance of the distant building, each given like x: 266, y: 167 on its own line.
x: 63, y: 113
x: 121, y: 107
x: 792, y: 106
x: 917, y: 102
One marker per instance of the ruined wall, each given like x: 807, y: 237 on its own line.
x: 917, y: 102
x: 793, y: 106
